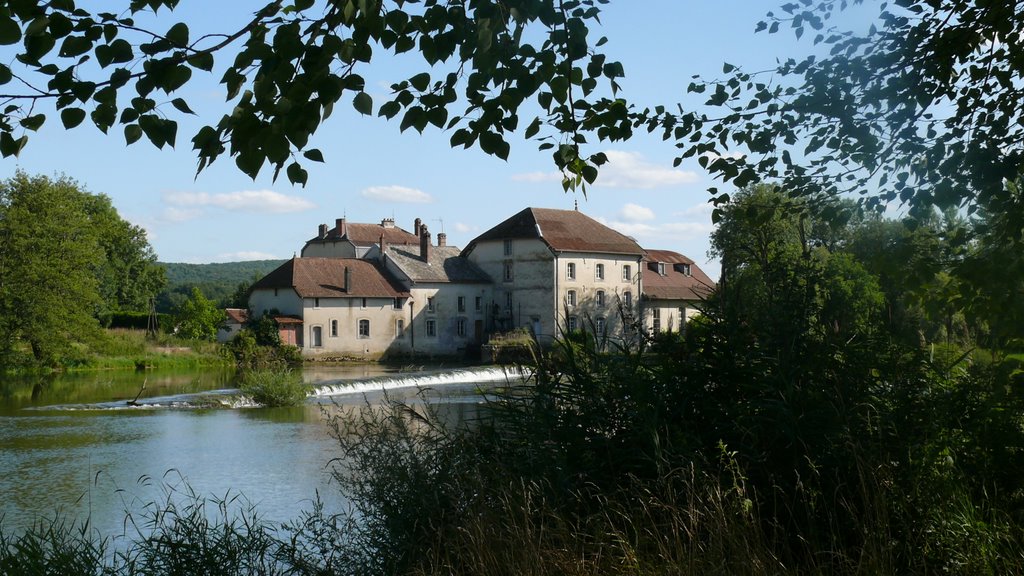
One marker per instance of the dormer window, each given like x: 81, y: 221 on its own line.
x: 686, y: 269
x: 661, y: 268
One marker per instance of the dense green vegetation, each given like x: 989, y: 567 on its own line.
x: 273, y: 387
x: 227, y: 283
x: 67, y: 260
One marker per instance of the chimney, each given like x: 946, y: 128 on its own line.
x: 323, y: 231
x: 442, y: 239
x: 348, y: 279
x: 424, y: 243
x: 340, y: 227
x: 416, y: 227
x: 388, y: 223
x: 383, y: 246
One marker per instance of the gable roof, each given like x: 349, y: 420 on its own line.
x: 562, y: 231
x: 445, y: 265
x: 674, y: 285
x: 325, y: 278
x: 367, y: 234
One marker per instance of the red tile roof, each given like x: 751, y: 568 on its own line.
x: 674, y: 285
x: 237, y: 315
x: 563, y: 231
x: 369, y: 234
x: 325, y: 278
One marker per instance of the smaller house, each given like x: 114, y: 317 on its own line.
x: 233, y: 324
x: 354, y: 240
x: 673, y: 288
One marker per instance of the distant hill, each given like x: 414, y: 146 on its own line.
x: 218, y: 282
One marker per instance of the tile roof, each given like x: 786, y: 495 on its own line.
x: 563, y: 231
x: 325, y: 278
x: 237, y: 315
x: 369, y: 234
x: 446, y: 265
x: 674, y: 285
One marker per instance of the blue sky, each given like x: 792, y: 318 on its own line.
x: 373, y: 171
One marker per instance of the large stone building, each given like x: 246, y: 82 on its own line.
x: 369, y: 290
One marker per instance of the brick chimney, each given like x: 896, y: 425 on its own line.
x: 388, y: 223
x: 323, y: 231
x: 383, y: 246
x: 424, y: 243
x: 442, y: 239
x: 340, y: 227
x: 416, y: 227
x: 348, y: 280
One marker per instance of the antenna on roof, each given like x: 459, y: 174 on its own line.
x: 441, y: 220
x: 576, y: 204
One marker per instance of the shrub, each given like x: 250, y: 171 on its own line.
x: 273, y: 387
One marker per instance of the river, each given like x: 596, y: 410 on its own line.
x: 71, y: 444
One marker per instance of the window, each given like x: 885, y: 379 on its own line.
x: 686, y: 269
x: 570, y: 298
x: 508, y: 247
x: 657, y: 320
x: 317, y: 337
x: 364, y: 328
x: 397, y: 304
x: 399, y: 328
x: 363, y: 303
x: 572, y: 323
x: 600, y: 298
x: 508, y: 301
x: 599, y: 326
x: 627, y: 273
x: 460, y: 327
x: 431, y: 328
x: 570, y: 270
x: 508, y: 272
x: 479, y: 303
x: 462, y: 303
x: 627, y: 298
x: 334, y: 328
x: 430, y: 304
x: 599, y: 271
x: 316, y: 302
x: 661, y: 268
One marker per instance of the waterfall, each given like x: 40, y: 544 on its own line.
x: 491, y: 374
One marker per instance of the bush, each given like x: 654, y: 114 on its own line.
x: 273, y: 387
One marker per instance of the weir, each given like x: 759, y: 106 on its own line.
x: 491, y: 374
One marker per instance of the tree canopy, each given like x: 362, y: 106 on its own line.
x: 922, y: 108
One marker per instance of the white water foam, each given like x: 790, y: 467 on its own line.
x: 494, y: 374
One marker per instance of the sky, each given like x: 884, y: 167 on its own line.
x: 373, y: 171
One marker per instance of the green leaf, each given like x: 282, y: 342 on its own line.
x: 182, y: 106
x: 363, y: 103
x: 202, y: 61
x: 5, y: 74
x: 296, y: 174
x: 9, y: 146
x: 72, y: 117
x: 132, y: 133
x: 420, y: 81
x: 10, y: 32
x: 178, y: 34
x: 314, y: 155
x: 33, y: 122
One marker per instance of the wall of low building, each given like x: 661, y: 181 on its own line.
x: 446, y: 315
x: 528, y: 298
x: 673, y: 314
x: 329, y: 249
x: 338, y: 320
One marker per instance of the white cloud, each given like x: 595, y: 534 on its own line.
x: 636, y: 213
x: 652, y: 235
x: 631, y: 170
x: 399, y: 194
x: 172, y: 214
x: 266, y: 201
x: 701, y: 210
x: 245, y: 255
x: 465, y: 228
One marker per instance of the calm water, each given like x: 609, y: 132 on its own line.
x: 72, y: 445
